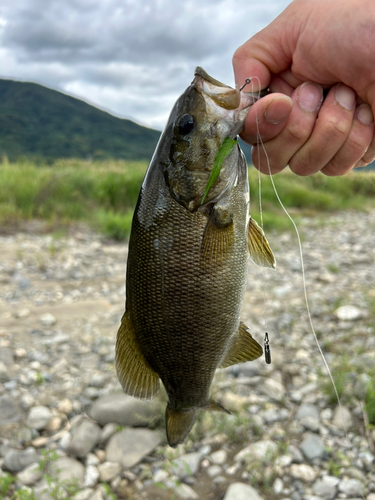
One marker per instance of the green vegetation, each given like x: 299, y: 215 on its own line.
x: 313, y: 195
x: 40, y: 123
x: 104, y: 194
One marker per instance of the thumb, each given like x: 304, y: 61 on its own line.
x: 266, y: 53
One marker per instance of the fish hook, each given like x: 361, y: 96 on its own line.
x: 247, y: 81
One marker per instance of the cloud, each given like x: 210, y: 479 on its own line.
x: 133, y: 57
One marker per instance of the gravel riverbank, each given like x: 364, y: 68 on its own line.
x: 67, y: 429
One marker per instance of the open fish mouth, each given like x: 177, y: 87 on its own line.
x: 223, y: 100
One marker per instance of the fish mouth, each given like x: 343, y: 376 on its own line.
x: 224, y: 101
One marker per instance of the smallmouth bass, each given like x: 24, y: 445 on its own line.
x: 187, y: 261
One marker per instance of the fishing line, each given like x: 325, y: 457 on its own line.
x: 260, y: 142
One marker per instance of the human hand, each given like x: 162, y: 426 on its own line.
x: 313, y: 45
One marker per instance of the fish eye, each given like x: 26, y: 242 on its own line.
x: 186, y: 125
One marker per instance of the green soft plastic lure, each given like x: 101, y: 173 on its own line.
x: 224, y: 150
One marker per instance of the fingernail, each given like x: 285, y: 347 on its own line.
x: 345, y: 96
x: 364, y: 114
x: 278, y: 111
x: 310, y: 97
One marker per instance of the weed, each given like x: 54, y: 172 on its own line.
x: 370, y: 402
x: 5, y: 483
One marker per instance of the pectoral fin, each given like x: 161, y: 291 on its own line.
x: 218, y: 236
x: 133, y: 371
x: 244, y: 348
x: 259, y: 248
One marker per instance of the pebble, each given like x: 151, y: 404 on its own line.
x: 68, y: 469
x: 30, y: 475
x: 187, y: 464
x: 349, y: 313
x: 17, y: 460
x: 91, y: 476
x: 342, y: 418
x: 124, y: 410
x: 108, y: 470
x: 303, y: 471
x: 326, y: 487
x: 313, y: 447
x: 241, y: 491
x: 219, y: 457
x: 48, y: 319
x: 262, y: 450
x: 84, y: 438
x: 351, y: 487
x: 39, y: 417
x: 9, y: 410
x: 129, y: 446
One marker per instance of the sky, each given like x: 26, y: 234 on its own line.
x: 132, y: 58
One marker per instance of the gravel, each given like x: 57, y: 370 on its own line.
x: 63, y: 413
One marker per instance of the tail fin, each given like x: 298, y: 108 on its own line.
x: 180, y: 422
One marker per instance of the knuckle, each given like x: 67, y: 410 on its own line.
x: 297, y: 133
x: 335, y: 127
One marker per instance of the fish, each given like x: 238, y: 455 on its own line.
x: 187, y: 259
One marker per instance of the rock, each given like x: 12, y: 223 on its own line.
x: 47, y: 320
x: 160, y: 476
x: 108, y: 470
x: 261, y: 450
x: 307, y: 410
x: 9, y: 410
x: 219, y: 457
x: 349, y: 313
x: 214, y: 470
x: 278, y: 486
x: 124, y: 410
x: 85, y: 494
x: 273, y: 389
x: 241, y: 491
x: 371, y: 496
x: 186, y: 465
x: 84, y: 438
x: 30, y: 475
x: 107, y: 431
x: 342, y: 418
x: 351, y: 487
x: 99, y: 380
x: 68, y: 469
x: 17, y: 460
x: 39, y: 417
x: 312, y: 447
x: 89, y: 361
x: 129, y: 446
x: 302, y: 471
x: 6, y: 356
x: 310, y: 423
x: 295, y: 453
x: 185, y: 492
x: 65, y: 406
x: 326, y: 487
x: 91, y: 476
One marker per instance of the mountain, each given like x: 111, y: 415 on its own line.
x: 38, y: 122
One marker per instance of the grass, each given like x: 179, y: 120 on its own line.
x: 103, y: 195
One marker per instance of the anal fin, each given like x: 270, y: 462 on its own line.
x: 244, y: 348
x: 133, y: 371
x: 259, y: 248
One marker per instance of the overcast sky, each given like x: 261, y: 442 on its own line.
x: 132, y: 58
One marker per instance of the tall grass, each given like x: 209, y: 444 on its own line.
x: 104, y: 194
